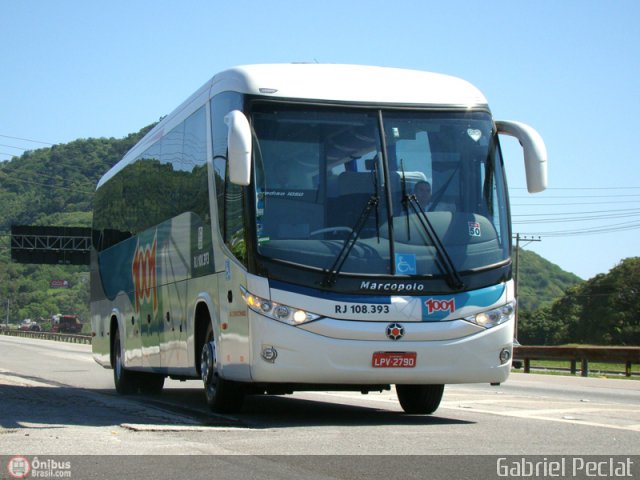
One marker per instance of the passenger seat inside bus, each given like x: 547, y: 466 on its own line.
x: 354, y: 191
x: 288, y: 218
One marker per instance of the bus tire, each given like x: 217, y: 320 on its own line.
x: 223, y: 396
x: 126, y: 381
x: 423, y: 399
x: 151, y: 383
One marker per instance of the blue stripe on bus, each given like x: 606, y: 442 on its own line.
x: 337, y: 297
x: 434, y: 307
x: 439, y: 307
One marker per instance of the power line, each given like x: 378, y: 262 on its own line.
x: 569, y: 197
x: 576, y: 219
x: 11, y: 146
x: 64, y: 166
x: 595, y: 221
x: 31, y: 182
x: 82, y: 188
x: 573, y: 204
x: 590, y: 212
x: 26, y: 140
x: 582, y: 188
x: 53, y: 177
x: 617, y: 227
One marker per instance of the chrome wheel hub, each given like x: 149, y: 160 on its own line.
x: 208, y: 362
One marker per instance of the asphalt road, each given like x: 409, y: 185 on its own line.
x: 55, y: 400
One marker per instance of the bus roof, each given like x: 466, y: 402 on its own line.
x: 349, y: 83
x: 358, y: 84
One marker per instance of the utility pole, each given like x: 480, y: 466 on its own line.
x: 520, y: 238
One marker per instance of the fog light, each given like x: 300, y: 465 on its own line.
x: 265, y: 306
x: 269, y: 354
x: 282, y: 312
x: 505, y: 355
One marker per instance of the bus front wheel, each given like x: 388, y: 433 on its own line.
x: 423, y: 399
x: 222, y: 395
x: 126, y: 381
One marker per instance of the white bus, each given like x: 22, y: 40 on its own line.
x: 269, y: 236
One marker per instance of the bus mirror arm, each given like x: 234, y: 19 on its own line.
x: 535, y: 152
x: 239, y: 145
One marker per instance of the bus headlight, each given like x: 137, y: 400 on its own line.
x: 277, y: 311
x: 494, y: 317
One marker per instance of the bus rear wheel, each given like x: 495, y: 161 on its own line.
x: 423, y: 399
x: 224, y: 396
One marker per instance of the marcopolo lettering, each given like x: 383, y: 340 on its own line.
x: 391, y: 287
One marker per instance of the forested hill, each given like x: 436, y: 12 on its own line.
x: 541, y: 282
x: 54, y: 186
x: 51, y: 186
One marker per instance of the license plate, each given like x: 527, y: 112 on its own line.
x: 394, y: 359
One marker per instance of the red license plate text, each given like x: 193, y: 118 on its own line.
x: 394, y: 360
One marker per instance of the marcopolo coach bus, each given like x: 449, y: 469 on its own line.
x: 311, y: 227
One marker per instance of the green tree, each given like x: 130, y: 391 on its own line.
x: 611, y: 306
x: 604, y: 310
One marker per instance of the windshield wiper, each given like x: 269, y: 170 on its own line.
x: 445, y: 264
x: 333, y: 272
x: 373, y: 202
x: 443, y: 260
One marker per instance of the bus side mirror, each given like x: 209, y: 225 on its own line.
x: 239, y: 145
x: 535, y: 153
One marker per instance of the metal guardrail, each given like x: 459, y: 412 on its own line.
x: 59, y: 337
x: 584, y: 355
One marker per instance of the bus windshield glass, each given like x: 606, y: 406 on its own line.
x: 384, y: 192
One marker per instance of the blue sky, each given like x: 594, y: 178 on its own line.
x: 77, y: 69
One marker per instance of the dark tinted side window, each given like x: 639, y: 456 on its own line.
x: 229, y: 196
x: 168, y: 179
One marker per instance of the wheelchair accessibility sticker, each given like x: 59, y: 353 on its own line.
x: 406, y: 264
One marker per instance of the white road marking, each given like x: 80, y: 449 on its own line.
x: 605, y: 415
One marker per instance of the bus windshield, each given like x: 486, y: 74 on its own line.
x: 382, y: 192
